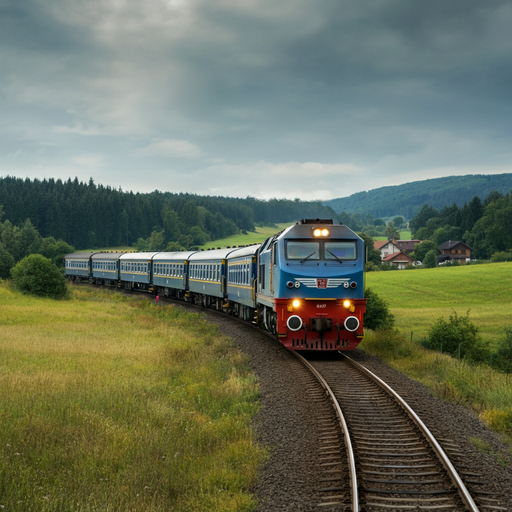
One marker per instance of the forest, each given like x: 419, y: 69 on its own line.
x: 52, y: 218
x: 408, y: 199
x: 87, y: 215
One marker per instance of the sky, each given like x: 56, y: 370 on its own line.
x: 310, y: 99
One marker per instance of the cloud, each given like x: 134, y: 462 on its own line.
x: 89, y: 160
x: 171, y: 149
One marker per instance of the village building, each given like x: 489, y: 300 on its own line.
x: 400, y: 259
x: 454, y: 251
x: 407, y: 245
x: 386, y: 247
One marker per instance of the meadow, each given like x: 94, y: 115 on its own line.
x: 256, y: 237
x: 418, y: 297
x: 111, y: 403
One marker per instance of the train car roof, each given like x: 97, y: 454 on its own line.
x: 78, y: 255
x: 107, y: 255
x: 244, y: 251
x: 216, y: 254
x: 174, y: 256
x: 137, y: 256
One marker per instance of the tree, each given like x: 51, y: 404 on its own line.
x: 391, y: 232
x: 6, y: 262
x: 398, y: 222
x: 374, y: 255
x: 377, y: 315
x: 420, y: 220
x: 37, y: 275
x: 430, y: 260
x: 420, y: 251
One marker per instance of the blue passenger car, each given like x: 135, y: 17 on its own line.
x: 170, y: 270
x: 241, y: 281
x: 77, y: 266
x: 105, y: 267
x: 207, y: 277
x: 135, y: 270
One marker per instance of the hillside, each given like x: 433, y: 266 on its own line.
x: 407, y: 199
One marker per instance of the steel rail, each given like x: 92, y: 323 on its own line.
x: 445, y: 461
x: 344, y: 428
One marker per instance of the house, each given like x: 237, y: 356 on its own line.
x: 386, y: 247
x: 400, y: 259
x: 407, y: 245
x: 454, y: 251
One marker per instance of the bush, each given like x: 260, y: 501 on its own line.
x: 377, y: 314
x: 504, y: 352
x: 501, y: 256
x: 447, y: 336
x: 39, y: 276
x: 430, y: 260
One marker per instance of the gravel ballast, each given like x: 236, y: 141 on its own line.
x: 287, y: 424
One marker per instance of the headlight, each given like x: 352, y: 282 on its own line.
x: 294, y: 323
x: 347, y: 304
x: 296, y: 303
x: 320, y: 232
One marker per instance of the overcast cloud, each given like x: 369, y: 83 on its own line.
x: 314, y: 99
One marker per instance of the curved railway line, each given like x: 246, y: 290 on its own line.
x: 393, y: 461
x: 374, y: 452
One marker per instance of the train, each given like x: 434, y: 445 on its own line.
x: 304, y: 285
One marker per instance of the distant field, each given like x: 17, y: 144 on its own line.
x: 259, y: 236
x: 405, y: 234
x: 418, y: 297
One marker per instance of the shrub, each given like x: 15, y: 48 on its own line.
x: 39, y: 276
x: 504, y: 352
x: 430, y: 260
x: 501, y: 256
x: 447, y: 336
x: 377, y: 314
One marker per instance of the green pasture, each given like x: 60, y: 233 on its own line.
x: 112, y: 403
x: 418, y: 297
x: 405, y: 234
x: 261, y: 234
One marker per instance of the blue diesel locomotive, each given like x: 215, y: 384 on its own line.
x: 304, y: 285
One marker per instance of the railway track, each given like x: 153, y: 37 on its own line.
x: 375, y: 454
x: 393, y: 461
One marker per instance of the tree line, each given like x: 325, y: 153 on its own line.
x: 484, y: 226
x: 87, y: 215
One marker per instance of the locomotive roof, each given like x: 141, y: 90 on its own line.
x: 306, y: 231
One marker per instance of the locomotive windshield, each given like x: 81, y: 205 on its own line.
x: 320, y: 250
x: 298, y: 250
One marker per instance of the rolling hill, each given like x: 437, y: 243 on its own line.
x: 407, y: 199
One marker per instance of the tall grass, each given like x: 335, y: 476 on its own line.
x: 110, y: 403
x: 478, y: 387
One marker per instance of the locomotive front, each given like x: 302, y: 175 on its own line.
x: 311, y: 286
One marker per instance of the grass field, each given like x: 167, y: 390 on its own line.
x: 110, y: 403
x: 261, y: 234
x: 418, y: 297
